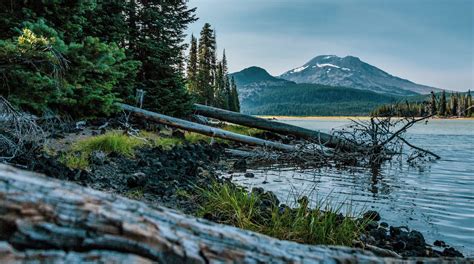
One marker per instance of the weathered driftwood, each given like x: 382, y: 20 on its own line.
x: 281, y: 128
x: 43, y: 219
x: 205, y: 130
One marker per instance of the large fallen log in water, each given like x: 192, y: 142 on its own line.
x: 203, y: 129
x: 277, y: 127
x: 44, y: 219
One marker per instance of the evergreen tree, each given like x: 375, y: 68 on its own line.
x: 433, y: 104
x: 470, y: 106
x: 192, y: 67
x: 442, y: 104
x: 453, y: 104
x: 206, y: 65
x: 159, y: 47
x: 235, y: 106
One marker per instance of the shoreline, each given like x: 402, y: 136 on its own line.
x: 347, y: 117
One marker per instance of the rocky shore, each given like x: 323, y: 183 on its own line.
x: 172, y: 177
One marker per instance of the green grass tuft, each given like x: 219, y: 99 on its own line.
x: 231, y: 205
x: 111, y: 142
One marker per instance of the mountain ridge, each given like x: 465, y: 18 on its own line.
x: 352, y: 72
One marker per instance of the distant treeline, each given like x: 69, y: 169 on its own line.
x: 314, y: 99
x: 454, y: 105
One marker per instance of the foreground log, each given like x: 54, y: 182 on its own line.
x: 277, y: 127
x: 205, y: 130
x: 47, y: 220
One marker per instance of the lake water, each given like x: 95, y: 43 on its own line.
x: 436, y: 199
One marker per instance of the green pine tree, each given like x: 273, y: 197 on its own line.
x: 206, y: 65
x: 159, y: 47
x: 192, y: 68
x: 470, y: 105
x: 442, y: 104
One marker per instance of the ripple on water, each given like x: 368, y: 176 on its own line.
x: 437, y: 200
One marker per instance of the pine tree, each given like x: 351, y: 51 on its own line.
x: 433, y: 104
x: 192, y: 67
x: 235, y: 106
x: 159, y: 47
x: 442, y: 104
x: 470, y: 106
x: 206, y: 65
x: 453, y: 104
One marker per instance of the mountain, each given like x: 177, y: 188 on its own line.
x: 253, y: 80
x: 263, y: 94
x: 352, y: 72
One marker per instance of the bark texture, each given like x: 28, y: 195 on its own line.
x: 47, y: 220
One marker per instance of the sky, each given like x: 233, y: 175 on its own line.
x: 426, y: 41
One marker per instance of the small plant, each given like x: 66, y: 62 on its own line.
x: 112, y: 142
x: 75, y: 160
x: 135, y: 194
x: 227, y: 204
x: 230, y: 205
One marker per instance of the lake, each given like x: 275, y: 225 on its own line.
x: 436, y: 199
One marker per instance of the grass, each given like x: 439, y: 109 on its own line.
x: 78, y: 156
x: 115, y: 142
x: 155, y: 140
x: 248, y: 131
x: 323, y: 224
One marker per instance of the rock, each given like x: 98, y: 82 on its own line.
x: 384, y: 225
x: 451, y: 252
x: 240, y: 165
x: 439, y: 243
x: 399, y: 245
x: 372, y: 215
x: 136, y: 180
x: 178, y: 134
x: 249, y: 175
x: 416, y: 239
x: 372, y: 225
x: 98, y: 157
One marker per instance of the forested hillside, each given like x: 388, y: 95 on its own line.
x: 314, y: 99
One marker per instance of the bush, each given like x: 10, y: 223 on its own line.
x: 41, y: 72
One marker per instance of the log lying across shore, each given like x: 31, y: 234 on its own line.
x: 327, y: 140
x: 203, y: 129
x: 46, y: 220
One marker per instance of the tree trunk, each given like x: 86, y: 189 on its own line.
x: 277, y: 127
x: 44, y: 219
x: 205, y: 130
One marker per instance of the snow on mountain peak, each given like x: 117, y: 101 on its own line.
x: 299, y: 69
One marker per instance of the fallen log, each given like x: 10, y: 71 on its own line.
x: 44, y: 219
x: 251, y: 121
x: 203, y: 129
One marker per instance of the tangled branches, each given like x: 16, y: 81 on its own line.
x: 19, y: 133
x: 372, y: 142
